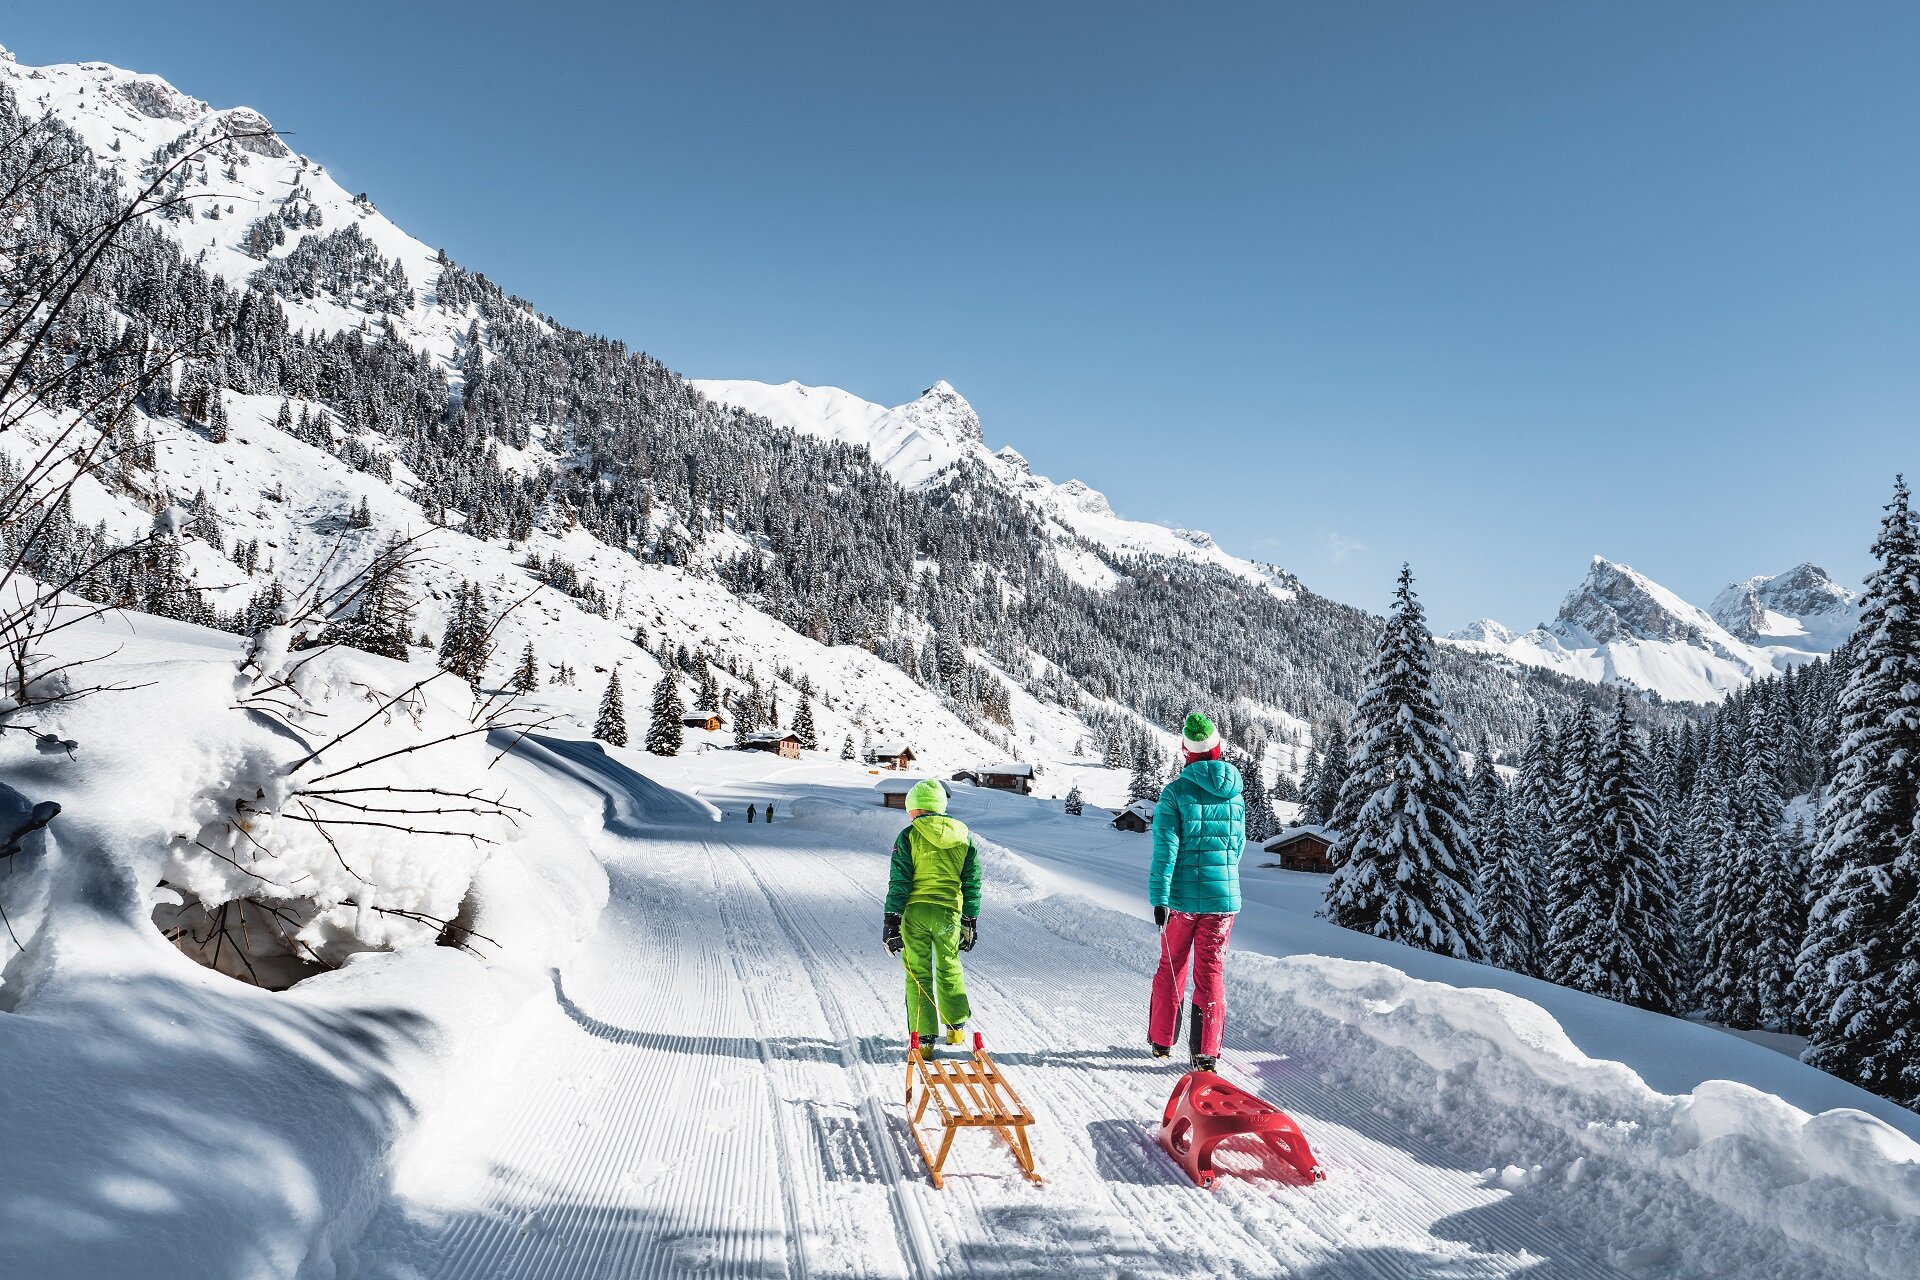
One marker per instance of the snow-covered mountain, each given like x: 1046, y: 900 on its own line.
x: 359, y: 370
x: 920, y: 442
x: 1621, y: 627
x: 1801, y: 609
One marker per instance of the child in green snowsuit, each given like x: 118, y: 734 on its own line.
x: 933, y: 911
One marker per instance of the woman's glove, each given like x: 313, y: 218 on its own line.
x: 890, y: 935
x: 969, y: 932
x: 1160, y: 917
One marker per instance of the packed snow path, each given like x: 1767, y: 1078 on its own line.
x: 723, y: 1097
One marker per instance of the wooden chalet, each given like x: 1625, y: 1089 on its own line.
x: 891, y: 755
x: 893, y: 791
x: 781, y: 742
x: 1017, y: 778
x: 1137, y: 816
x: 711, y: 721
x: 1303, y: 848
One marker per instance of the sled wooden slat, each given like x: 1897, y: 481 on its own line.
x: 966, y: 1093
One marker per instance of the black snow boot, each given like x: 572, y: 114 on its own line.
x: 1200, y: 1061
x: 1160, y: 1050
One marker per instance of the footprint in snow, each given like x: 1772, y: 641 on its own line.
x: 693, y: 1252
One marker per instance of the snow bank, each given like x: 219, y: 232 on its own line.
x: 1724, y: 1168
x: 166, y: 1119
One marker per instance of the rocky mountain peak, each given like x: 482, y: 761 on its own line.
x: 1804, y: 603
x: 1615, y: 602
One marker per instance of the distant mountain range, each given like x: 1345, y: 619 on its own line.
x: 1621, y: 627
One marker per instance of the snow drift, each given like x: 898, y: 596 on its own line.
x: 1491, y: 1073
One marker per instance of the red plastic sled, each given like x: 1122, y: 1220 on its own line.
x: 1205, y: 1111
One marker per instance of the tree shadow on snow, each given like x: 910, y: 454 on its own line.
x: 793, y: 1048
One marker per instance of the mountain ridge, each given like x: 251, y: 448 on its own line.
x: 929, y: 437
x: 1619, y: 626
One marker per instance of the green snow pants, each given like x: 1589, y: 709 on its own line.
x: 932, y: 957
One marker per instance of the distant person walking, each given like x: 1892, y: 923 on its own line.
x: 1199, y: 833
x: 933, y: 912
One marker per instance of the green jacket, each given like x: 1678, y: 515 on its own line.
x: 1199, y: 833
x: 935, y: 861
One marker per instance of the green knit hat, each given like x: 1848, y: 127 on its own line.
x: 1198, y: 736
x: 929, y: 795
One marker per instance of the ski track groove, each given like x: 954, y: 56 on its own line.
x: 1321, y: 1111
x: 917, y: 1239
x: 554, y: 1208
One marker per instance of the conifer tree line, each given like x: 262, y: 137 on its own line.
x: 656, y: 469
x: 1757, y: 865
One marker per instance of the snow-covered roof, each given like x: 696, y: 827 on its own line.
x: 889, y: 749
x: 1142, y: 808
x: 1002, y: 770
x: 773, y: 735
x: 896, y: 786
x: 1291, y: 834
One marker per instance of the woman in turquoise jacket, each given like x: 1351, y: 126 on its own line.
x: 1199, y: 832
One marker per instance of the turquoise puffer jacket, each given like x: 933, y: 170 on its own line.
x: 1199, y: 832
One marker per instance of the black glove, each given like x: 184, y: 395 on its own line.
x: 890, y: 935
x: 969, y: 932
x: 1160, y: 917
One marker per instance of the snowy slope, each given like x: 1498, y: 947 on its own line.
x: 126, y: 116
x: 924, y: 439
x: 1621, y: 627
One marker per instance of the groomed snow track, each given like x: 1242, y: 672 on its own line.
x: 723, y: 1098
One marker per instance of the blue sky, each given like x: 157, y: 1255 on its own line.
x: 1490, y: 287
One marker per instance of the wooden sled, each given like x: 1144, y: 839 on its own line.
x: 966, y: 1093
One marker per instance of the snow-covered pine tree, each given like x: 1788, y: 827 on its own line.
x: 1261, y: 824
x: 1404, y: 852
x: 665, y: 732
x: 1620, y: 940
x: 1310, y: 812
x: 383, y: 617
x: 1771, y: 878
x: 1335, y: 768
x: 1335, y: 764
x: 1721, y: 921
x: 464, y: 648
x: 846, y: 748
x: 1861, y: 965
x: 1571, y: 899
x: 1146, y: 782
x: 611, y: 726
x: 1485, y: 792
x: 526, y: 676
x: 1506, y: 886
x: 1075, y: 805
x: 803, y: 725
x: 1532, y: 805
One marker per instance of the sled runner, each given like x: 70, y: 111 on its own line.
x: 966, y: 1093
x: 1205, y: 1111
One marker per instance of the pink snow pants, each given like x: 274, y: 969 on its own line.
x: 1203, y: 939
